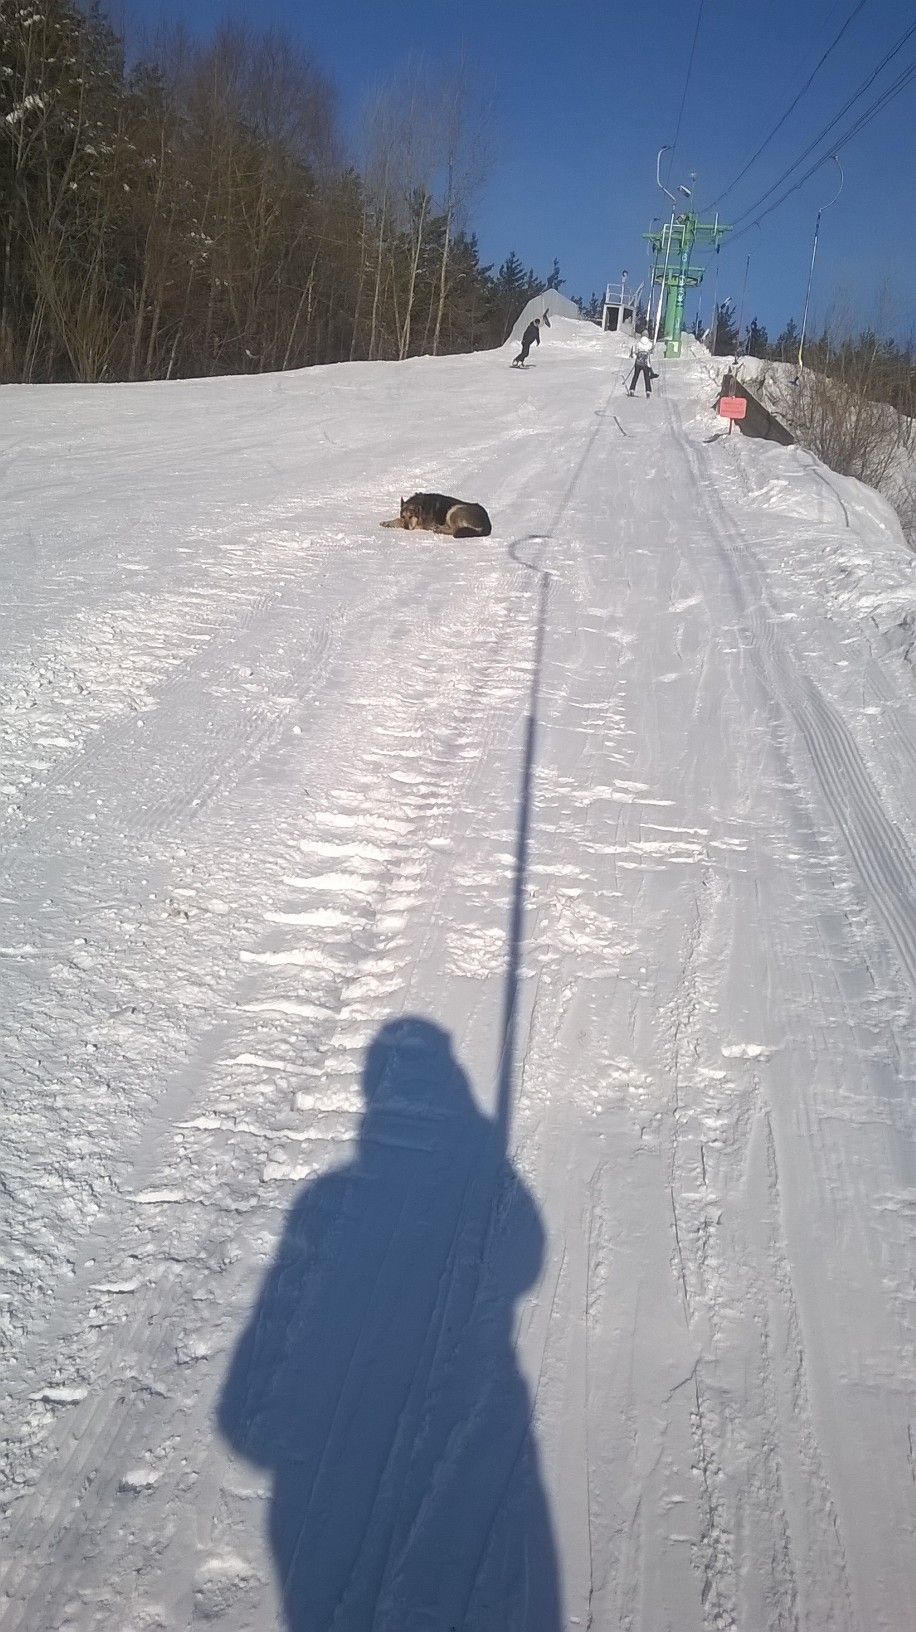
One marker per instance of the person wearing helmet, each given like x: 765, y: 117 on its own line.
x: 642, y: 352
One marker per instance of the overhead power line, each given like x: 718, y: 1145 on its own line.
x: 792, y: 105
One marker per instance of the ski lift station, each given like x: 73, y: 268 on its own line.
x: 619, y: 309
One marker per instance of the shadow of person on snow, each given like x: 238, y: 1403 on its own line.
x: 377, y: 1377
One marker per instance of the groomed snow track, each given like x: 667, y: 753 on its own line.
x: 316, y: 841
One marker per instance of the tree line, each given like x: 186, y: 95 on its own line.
x: 192, y: 213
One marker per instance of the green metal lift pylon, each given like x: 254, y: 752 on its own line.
x: 673, y: 248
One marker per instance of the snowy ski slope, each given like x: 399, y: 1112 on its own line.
x: 456, y: 1012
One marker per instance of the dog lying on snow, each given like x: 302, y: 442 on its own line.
x: 437, y: 513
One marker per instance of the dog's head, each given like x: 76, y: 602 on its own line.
x: 410, y: 512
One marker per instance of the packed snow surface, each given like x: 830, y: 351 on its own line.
x: 457, y: 1023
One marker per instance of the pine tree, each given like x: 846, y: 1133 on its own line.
x: 510, y: 278
x: 555, y: 281
x: 510, y: 292
x: 757, y: 340
x: 785, y: 346
x: 591, y: 309
x: 726, y: 332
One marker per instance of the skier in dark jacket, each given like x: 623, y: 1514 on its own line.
x: 531, y: 337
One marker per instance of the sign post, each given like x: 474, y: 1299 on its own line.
x: 732, y: 408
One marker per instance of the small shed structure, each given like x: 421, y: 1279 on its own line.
x: 619, y: 309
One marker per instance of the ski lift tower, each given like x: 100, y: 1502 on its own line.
x: 673, y: 246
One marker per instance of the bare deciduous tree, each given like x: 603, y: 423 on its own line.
x: 194, y: 215
x: 852, y: 404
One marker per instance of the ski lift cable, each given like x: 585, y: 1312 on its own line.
x: 888, y: 57
x: 792, y: 105
x: 825, y: 131
x: 693, y: 49
x: 871, y: 112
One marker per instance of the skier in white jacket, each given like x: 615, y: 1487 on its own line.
x: 642, y: 352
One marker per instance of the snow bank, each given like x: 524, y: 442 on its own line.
x: 550, y: 301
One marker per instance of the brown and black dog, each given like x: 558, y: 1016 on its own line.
x: 437, y: 513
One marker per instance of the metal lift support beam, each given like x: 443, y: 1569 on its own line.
x: 679, y: 238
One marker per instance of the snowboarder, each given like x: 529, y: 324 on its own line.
x: 531, y: 337
x: 642, y: 352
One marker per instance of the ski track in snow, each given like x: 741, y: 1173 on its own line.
x: 286, y: 1344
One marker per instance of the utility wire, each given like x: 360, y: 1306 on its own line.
x: 792, y: 105
x: 893, y: 90
x: 888, y: 57
x: 693, y: 48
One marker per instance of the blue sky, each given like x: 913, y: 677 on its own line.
x: 582, y: 99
